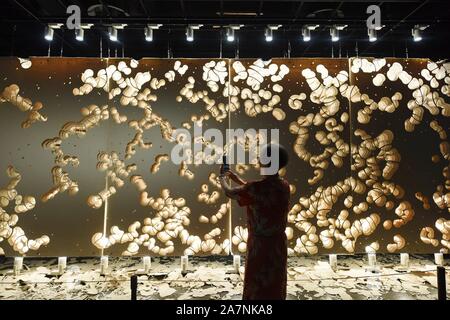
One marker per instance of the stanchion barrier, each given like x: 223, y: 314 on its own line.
x: 134, y: 287
x: 442, y: 287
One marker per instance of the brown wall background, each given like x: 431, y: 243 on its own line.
x: 347, y: 210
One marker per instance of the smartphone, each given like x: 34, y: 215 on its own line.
x: 226, y: 166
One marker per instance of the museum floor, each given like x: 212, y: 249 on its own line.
x: 213, y: 278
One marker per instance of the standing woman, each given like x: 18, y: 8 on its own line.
x: 267, y: 202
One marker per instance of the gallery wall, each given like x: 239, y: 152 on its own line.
x: 87, y: 170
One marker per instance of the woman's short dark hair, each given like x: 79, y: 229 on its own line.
x: 283, y: 155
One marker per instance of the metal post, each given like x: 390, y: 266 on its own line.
x: 18, y: 265
x: 103, y: 265
x: 236, y: 263
x: 147, y: 264
x: 442, y: 287
x: 134, y: 286
x: 333, y: 261
x: 184, y: 263
x: 62, y: 264
x: 404, y: 260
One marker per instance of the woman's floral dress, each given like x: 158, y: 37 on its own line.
x: 267, y: 203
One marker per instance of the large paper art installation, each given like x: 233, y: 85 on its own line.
x: 87, y: 168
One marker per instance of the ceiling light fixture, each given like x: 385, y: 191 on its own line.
x: 268, y: 33
x: 79, y: 32
x: 230, y: 34
x: 334, y: 31
x: 113, y: 31
x: 149, y: 31
x: 50, y: 30
x: 190, y: 31
x: 306, y: 31
x: 231, y: 30
x: 372, y: 33
x: 417, y: 32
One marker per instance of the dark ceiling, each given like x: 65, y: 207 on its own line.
x: 23, y: 23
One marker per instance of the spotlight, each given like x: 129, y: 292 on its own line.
x: 306, y: 31
x: 148, y: 34
x: 417, y: 36
x: 112, y: 31
x: 149, y: 31
x: 334, y: 34
x: 190, y: 31
x: 417, y: 32
x: 189, y: 34
x: 79, y: 34
x: 268, y: 33
x: 372, y: 34
x: 230, y: 34
x: 49, y: 32
x: 334, y: 31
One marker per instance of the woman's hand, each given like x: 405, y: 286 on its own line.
x: 230, y: 174
x: 222, y: 170
x: 230, y: 191
x: 233, y: 176
x: 225, y: 172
